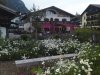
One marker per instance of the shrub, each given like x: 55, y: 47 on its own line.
x: 83, y: 34
x: 56, y: 36
x: 86, y: 34
x: 97, y: 36
x: 86, y: 63
x: 25, y: 37
x: 25, y: 49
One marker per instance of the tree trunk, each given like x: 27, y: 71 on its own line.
x: 36, y: 34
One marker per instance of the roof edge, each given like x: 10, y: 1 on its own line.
x: 8, y: 9
x: 58, y: 9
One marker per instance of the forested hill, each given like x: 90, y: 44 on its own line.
x: 17, y: 5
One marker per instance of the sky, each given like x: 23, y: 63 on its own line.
x: 71, y: 6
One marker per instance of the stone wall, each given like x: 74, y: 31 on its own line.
x: 8, y: 68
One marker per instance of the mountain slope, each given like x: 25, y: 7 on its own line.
x: 17, y: 5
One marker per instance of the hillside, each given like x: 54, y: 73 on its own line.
x: 17, y: 5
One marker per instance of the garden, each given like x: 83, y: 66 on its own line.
x: 11, y: 50
x: 87, y: 61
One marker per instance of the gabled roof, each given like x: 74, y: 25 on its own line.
x: 94, y: 5
x: 8, y: 9
x: 57, y: 9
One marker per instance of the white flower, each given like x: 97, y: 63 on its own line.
x: 48, y: 70
x: 57, y: 70
x: 24, y: 57
x: 43, y: 63
x: 81, y: 61
x: 89, y: 69
x: 83, y: 68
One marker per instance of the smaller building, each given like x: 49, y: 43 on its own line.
x: 6, y: 15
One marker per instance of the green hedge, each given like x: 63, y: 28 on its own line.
x: 86, y: 34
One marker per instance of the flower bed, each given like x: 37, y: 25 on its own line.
x: 20, y: 49
x: 86, y: 63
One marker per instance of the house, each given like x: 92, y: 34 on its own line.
x: 17, y: 28
x: 59, y: 27
x: 53, y: 13
x: 51, y: 19
x: 6, y: 15
x: 90, y: 16
x: 26, y: 25
x: 56, y: 20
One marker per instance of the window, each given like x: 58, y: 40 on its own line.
x: 54, y: 12
x: 88, y: 23
x: 92, y: 23
x: 16, y: 21
x: 84, y: 17
x: 46, y: 19
x: 56, y: 20
x: 96, y: 22
x: 63, y: 20
x: 51, y: 19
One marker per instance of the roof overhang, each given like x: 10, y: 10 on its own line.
x: 9, y: 10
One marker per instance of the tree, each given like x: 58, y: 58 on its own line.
x: 36, y: 16
x: 33, y: 8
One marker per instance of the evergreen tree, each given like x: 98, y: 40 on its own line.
x: 36, y: 16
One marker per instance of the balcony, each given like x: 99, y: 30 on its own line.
x: 92, y: 13
x: 91, y: 18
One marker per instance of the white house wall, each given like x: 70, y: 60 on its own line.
x: 3, y: 32
x: 50, y: 15
x: 28, y: 27
x: 60, y: 18
x: 15, y: 19
x: 84, y: 22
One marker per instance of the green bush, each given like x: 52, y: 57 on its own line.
x: 97, y: 35
x: 25, y: 37
x: 16, y: 49
x: 83, y: 34
x: 56, y: 36
x: 86, y: 34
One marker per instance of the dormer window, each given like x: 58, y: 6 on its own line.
x: 53, y: 11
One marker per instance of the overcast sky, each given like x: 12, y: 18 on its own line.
x: 71, y: 6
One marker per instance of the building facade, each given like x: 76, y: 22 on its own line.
x: 50, y: 20
x: 91, y: 15
x: 53, y: 13
x: 6, y: 15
